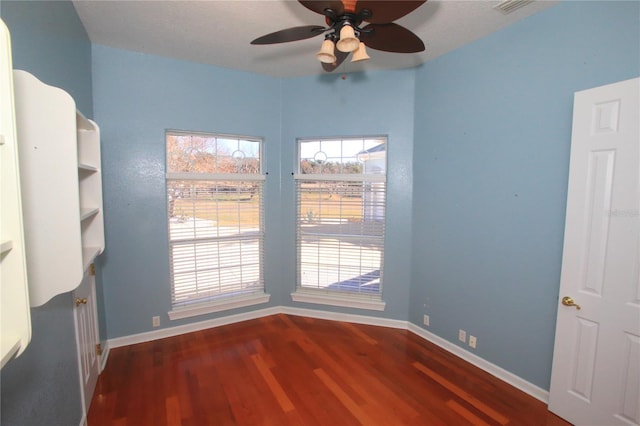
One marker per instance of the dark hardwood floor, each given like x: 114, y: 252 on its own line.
x: 289, y: 370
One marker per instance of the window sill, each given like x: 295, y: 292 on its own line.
x: 217, y: 306
x: 343, y: 301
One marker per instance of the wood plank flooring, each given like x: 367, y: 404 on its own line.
x: 288, y: 370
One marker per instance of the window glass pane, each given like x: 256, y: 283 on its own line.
x: 205, y: 209
x: 211, y: 154
x: 203, y: 270
x: 215, y: 224
x: 340, y: 222
x: 344, y: 156
x: 340, y: 264
x: 195, y: 154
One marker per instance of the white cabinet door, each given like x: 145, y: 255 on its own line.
x: 46, y: 129
x: 87, y: 337
x: 15, y: 315
x: 596, y: 363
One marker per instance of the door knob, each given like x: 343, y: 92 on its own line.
x: 568, y: 301
x: 82, y: 301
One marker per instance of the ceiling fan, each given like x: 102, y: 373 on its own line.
x: 344, y: 33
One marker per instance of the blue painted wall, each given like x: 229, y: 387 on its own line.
x: 491, y: 157
x: 42, y: 386
x: 375, y: 103
x: 51, y: 43
x: 137, y: 98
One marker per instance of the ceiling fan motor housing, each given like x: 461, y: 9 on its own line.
x: 336, y: 22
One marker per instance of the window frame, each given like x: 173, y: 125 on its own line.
x: 225, y: 300
x: 326, y: 296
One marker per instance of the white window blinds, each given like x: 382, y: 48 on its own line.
x: 215, y: 216
x: 341, y: 194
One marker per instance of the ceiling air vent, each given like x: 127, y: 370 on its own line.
x: 509, y: 6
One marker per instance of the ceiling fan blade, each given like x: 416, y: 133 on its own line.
x: 340, y: 57
x: 383, y: 12
x: 318, y: 6
x: 290, y: 34
x: 391, y: 38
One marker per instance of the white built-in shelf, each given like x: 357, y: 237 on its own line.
x: 90, y: 188
x: 10, y: 347
x: 15, y: 315
x: 5, y: 246
x: 87, y: 168
x: 89, y: 254
x: 62, y: 181
x: 88, y: 213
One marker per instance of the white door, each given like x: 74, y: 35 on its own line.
x: 596, y: 363
x: 87, y: 337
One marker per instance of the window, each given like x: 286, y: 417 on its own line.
x: 341, y: 195
x: 215, y: 220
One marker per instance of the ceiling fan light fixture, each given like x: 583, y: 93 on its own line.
x: 348, y: 41
x: 342, y: 32
x: 360, y: 54
x: 326, y: 53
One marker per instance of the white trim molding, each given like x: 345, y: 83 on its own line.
x: 188, y: 328
x: 339, y: 178
x: 217, y: 306
x: 337, y: 316
x: 469, y: 357
x: 343, y: 301
x: 104, y: 357
x: 483, y: 364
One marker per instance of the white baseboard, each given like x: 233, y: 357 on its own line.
x: 494, y: 370
x: 104, y: 356
x: 337, y: 316
x: 471, y: 358
x: 188, y: 328
x: 332, y: 300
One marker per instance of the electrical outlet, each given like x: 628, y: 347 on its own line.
x: 425, y: 320
x: 156, y: 321
x: 473, y: 341
x: 462, y: 335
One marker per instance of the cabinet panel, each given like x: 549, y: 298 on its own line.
x: 86, y: 324
x: 15, y: 316
x: 62, y: 187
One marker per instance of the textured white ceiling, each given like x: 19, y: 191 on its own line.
x: 219, y: 32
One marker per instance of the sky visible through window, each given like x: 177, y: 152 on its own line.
x: 336, y: 151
